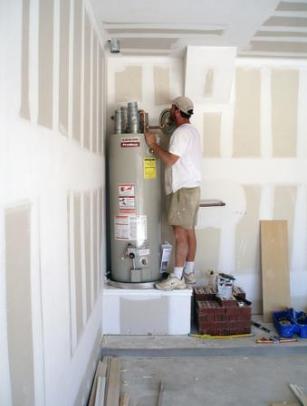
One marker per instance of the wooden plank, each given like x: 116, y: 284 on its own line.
x: 160, y: 395
x: 113, y: 385
x: 101, y: 384
x: 275, y: 266
x: 100, y: 372
x: 299, y: 393
x: 124, y: 399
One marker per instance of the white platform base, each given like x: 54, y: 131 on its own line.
x: 146, y: 312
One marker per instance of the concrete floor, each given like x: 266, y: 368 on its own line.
x: 209, y: 372
x: 212, y: 381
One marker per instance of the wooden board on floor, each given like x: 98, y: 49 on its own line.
x: 275, y: 266
x: 124, y: 400
x: 113, y: 385
x: 100, y: 372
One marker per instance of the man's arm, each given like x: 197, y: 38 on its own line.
x: 167, y: 157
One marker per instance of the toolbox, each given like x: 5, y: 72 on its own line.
x: 290, y: 322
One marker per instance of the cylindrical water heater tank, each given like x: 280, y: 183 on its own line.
x: 135, y: 209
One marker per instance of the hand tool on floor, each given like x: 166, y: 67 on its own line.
x: 272, y: 339
x: 275, y: 340
x: 208, y: 336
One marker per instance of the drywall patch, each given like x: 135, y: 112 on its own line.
x: 77, y: 71
x: 64, y: 66
x: 95, y: 243
x: 86, y: 83
x: 78, y: 264
x: 24, y: 102
x: 284, y: 112
x: 212, y: 134
x: 70, y: 262
x: 94, y: 94
x: 19, y: 306
x: 45, y: 68
x: 246, y: 133
x: 209, y: 83
x: 208, y: 248
x: 161, y: 85
x: 87, y: 243
x: 289, y: 6
x: 284, y: 209
x: 247, y: 232
x: 278, y: 46
x: 128, y: 84
x: 286, y: 22
x: 101, y: 204
x: 100, y: 104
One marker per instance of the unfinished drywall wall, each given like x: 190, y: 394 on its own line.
x: 50, y: 317
x: 151, y: 81
x: 240, y: 165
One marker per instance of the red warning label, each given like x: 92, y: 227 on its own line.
x: 130, y: 143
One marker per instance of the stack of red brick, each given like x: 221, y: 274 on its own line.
x: 218, y: 317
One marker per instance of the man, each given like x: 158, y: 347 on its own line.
x: 182, y: 187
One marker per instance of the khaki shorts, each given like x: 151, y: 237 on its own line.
x: 183, y: 207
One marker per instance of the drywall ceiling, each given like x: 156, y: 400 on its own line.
x: 256, y: 27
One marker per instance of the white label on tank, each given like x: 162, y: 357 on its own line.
x: 126, y: 189
x: 126, y: 202
x: 121, y: 228
x: 138, y: 228
x: 130, y: 228
x: 143, y: 252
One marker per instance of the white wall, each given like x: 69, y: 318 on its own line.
x: 52, y: 256
x: 251, y: 116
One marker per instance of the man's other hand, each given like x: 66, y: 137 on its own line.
x: 150, y: 139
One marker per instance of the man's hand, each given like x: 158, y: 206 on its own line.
x: 150, y: 139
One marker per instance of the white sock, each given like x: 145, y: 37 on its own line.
x: 189, y: 267
x: 178, y: 270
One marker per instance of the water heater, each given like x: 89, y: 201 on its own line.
x: 135, y: 209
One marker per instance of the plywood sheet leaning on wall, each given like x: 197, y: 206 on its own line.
x: 274, y: 265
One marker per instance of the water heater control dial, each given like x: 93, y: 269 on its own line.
x: 144, y: 261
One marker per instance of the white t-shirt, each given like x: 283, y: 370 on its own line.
x: 186, y: 171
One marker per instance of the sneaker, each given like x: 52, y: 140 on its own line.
x: 171, y: 283
x: 189, y: 278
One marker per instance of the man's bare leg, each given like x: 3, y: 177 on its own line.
x: 181, y: 246
x: 192, y: 245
